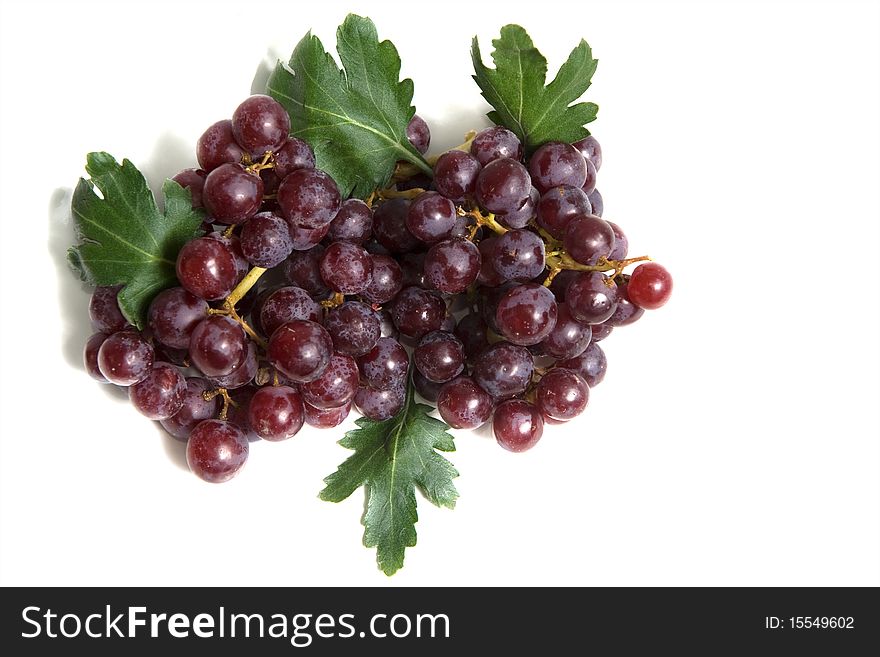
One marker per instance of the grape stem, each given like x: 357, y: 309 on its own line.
x: 406, y: 170
x: 481, y: 219
x: 234, y: 297
x: 227, y: 400
x: 558, y: 261
x: 268, y: 162
x: 336, y: 300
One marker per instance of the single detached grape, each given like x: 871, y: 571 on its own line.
x: 308, y: 198
x: 217, y: 345
x: 568, y: 338
x: 426, y: 388
x: 160, y: 395
x: 463, y: 404
x: 231, y: 194
x: 243, y: 373
x: 303, y: 269
x: 588, y: 238
x: 300, y: 350
x: 389, y: 226
x: 276, y: 413
x: 353, y: 223
x: 286, y: 304
x: 194, y: 409
x: 265, y: 240
x: 471, y: 330
x: 325, y: 418
x: 495, y: 143
x: 353, y: 327
x: 385, y: 365
x: 503, y: 185
x: 556, y: 163
x: 90, y: 356
x: 626, y: 312
x: 504, y: 370
x: 380, y: 404
x: 562, y: 394
x: 526, y: 314
x: 590, y: 149
x: 294, y: 154
x: 260, y: 124
x: 431, y: 217
x: 194, y: 181
x: 519, y: 255
x: 206, y: 267
x: 418, y: 134
x: 416, y: 312
x: 173, y: 315
x: 336, y: 386
x: 650, y: 286
x: 439, y: 356
x: 592, y: 297
x: 216, y: 450
x: 217, y: 146
x: 455, y: 174
x: 125, y: 358
x: 346, y: 268
x: 386, y: 282
x: 559, y: 205
x: 104, y: 310
x: 621, y: 243
x: 517, y: 425
x: 452, y: 265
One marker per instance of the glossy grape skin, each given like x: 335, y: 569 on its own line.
x: 489, y: 304
x: 217, y: 146
x: 300, y: 350
x: 601, y: 331
x: 503, y: 370
x: 194, y: 409
x: 471, y: 330
x: 207, y: 268
x: 385, y: 365
x: 463, y: 404
x: 568, y: 338
x: 488, y: 275
x: 325, y: 418
x: 518, y: 425
x: 90, y: 357
x: 353, y: 327
x: 590, y: 150
x: 452, y: 265
x: 495, y: 143
x: 650, y: 286
x: 627, y: 312
x: 386, y: 281
x: 591, y: 365
x: 621, y: 243
x: 194, y: 181
x: 308, y: 198
x: 160, y: 394
x: 426, y: 388
x: 389, y: 226
x: 231, y: 194
x: 526, y: 314
x: 125, y: 358
x: 104, y: 310
x: 242, y: 374
x: 294, y: 154
x: 431, y: 217
x: 416, y: 312
x: 596, y: 202
x: 353, y: 223
x: 336, y: 386
x: 346, y: 268
x: 303, y: 269
x: 276, y: 413
x: 503, y: 185
x: 439, y: 356
x: 260, y: 124
x: 265, y: 240
x: 519, y: 255
x: 418, y: 134
x: 587, y: 239
x: 216, y: 451
x: 455, y: 174
x: 286, y: 304
x: 522, y: 216
x: 562, y: 394
x: 556, y: 163
x: 380, y: 404
x: 413, y: 267
x: 590, y: 181
x: 592, y: 297
x: 233, y: 244
x: 559, y: 205
x: 304, y: 239
x: 173, y: 315
x: 217, y: 345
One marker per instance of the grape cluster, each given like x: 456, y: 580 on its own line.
x: 498, y: 274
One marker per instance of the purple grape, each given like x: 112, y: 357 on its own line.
x: 621, y: 243
x: 243, y: 373
x: 455, y: 175
x: 336, y: 386
x: 591, y: 365
x: 504, y: 370
x: 265, y: 240
x: 217, y: 146
x: 216, y: 451
x: 418, y: 134
x: 303, y: 239
x: 596, y: 202
x: 160, y: 395
x: 217, y: 345
x: 590, y: 150
x: 523, y: 215
x: 559, y: 285
x: 426, y: 388
x: 233, y: 243
x: 568, y: 338
x: 276, y: 413
x: 503, y: 185
x: 238, y: 412
x: 558, y: 206
x: 308, y: 198
x: 300, y: 350
x: 416, y: 312
x: 431, y: 217
x: 194, y: 409
x: 556, y: 163
x: 260, y: 124
x: 207, y: 268
x: 325, y: 418
x: 346, y: 268
x: 389, y: 226
x: 353, y: 327
x: 303, y: 269
x: 517, y: 425
x: 452, y: 265
x: 380, y: 404
x: 601, y: 331
x: 519, y: 255
x: 90, y: 357
x: 286, y: 304
x: 627, y: 312
x: 488, y: 275
x: 125, y: 358
x: 526, y: 314
x: 439, y: 356
x: 471, y: 330
x: 231, y: 194
x: 590, y: 181
x: 463, y: 404
x: 194, y: 181
x: 495, y: 143
x: 104, y: 310
x: 294, y: 154
x: 587, y: 239
x: 413, y: 267
x: 386, y: 282
x: 173, y: 315
x: 385, y: 365
x: 592, y: 297
x: 353, y: 223
x: 562, y: 395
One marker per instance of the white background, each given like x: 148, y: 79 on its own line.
x: 735, y: 438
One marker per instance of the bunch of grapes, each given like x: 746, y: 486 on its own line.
x: 498, y: 274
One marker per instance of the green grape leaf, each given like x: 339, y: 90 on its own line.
x: 392, y: 458
x: 523, y: 104
x: 355, y: 119
x: 123, y: 238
